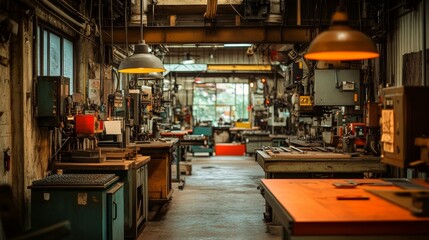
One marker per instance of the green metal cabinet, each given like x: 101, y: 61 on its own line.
x: 134, y: 175
x: 208, y: 132
x: 94, y: 211
x: 115, y: 212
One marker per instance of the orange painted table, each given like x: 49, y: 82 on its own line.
x: 309, y: 209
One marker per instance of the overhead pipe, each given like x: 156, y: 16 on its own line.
x: 64, y: 3
x: 63, y: 14
x: 118, y: 53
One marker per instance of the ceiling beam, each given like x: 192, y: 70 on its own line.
x: 183, y: 35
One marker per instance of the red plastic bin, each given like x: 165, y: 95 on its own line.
x: 230, y: 149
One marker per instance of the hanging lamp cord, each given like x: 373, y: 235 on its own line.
x: 141, y: 21
x: 126, y: 28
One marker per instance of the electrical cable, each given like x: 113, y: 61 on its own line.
x: 126, y: 28
x: 101, y: 55
x: 126, y: 35
x: 141, y: 20
x: 114, y: 73
x: 235, y: 10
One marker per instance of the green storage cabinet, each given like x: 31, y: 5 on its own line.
x: 208, y: 132
x: 134, y: 175
x: 93, y: 203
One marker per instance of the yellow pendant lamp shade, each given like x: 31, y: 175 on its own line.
x: 141, y: 61
x: 340, y: 42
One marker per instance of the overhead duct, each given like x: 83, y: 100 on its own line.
x: 275, y: 14
x: 135, y: 13
x: 256, y: 9
x: 211, y: 9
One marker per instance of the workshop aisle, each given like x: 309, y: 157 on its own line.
x: 220, y: 200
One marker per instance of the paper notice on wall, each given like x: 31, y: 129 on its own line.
x: 113, y: 127
x: 388, y: 133
x: 94, y: 91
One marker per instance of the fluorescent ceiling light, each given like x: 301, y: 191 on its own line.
x: 237, y: 45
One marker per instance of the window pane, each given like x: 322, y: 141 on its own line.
x: 54, y: 55
x: 225, y: 93
x: 205, y: 95
x: 45, y: 53
x: 231, y: 102
x: 68, y: 62
x: 204, y: 113
x: 224, y: 114
x: 242, y: 101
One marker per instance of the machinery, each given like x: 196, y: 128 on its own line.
x: 51, y: 100
x: 403, y: 121
x: 80, y: 126
x: 358, y: 130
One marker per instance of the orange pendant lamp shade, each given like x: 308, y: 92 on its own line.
x: 341, y: 42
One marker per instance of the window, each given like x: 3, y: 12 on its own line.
x: 55, y: 55
x: 220, y: 102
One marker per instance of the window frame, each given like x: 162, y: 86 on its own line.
x: 196, y: 106
x: 41, y: 27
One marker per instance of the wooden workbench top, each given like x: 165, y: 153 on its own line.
x: 313, y: 206
x: 174, y: 133
x: 310, y: 155
x: 156, y: 144
x: 141, y: 160
x: 108, y: 165
x: 243, y: 129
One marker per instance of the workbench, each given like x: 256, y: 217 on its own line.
x: 159, y: 168
x: 134, y: 174
x: 236, y: 133
x: 311, y: 209
x: 174, y: 134
x: 255, y: 140
x: 313, y: 164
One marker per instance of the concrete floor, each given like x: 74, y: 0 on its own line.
x: 220, y: 200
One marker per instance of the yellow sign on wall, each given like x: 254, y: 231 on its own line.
x: 305, y: 101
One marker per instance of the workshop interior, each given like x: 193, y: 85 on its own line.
x: 116, y: 112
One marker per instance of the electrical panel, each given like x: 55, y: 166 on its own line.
x: 403, y: 120
x: 50, y: 99
x: 336, y: 87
